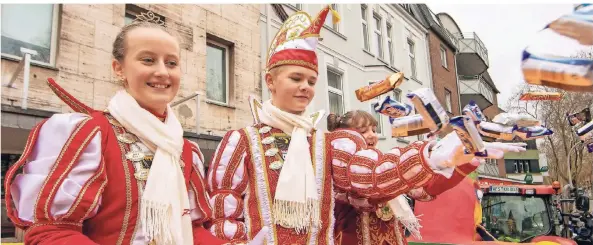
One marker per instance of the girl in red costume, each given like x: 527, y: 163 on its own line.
x: 120, y: 176
x: 284, y: 174
x: 382, y: 223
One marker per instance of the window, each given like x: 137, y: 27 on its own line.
x: 448, y: 100
x: 378, y: 35
x: 376, y: 114
x: 328, y: 19
x: 365, y: 27
x: 397, y: 95
x: 334, y: 80
x: 443, y: 57
x: 412, y: 55
x: 217, y: 72
x: 389, y: 43
x: 30, y: 26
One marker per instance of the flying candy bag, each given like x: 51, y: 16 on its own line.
x: 468, y: 134
x: 511, y: 119
x: 372, y: 91
x: 586, y: 132
x: 534, y: 132
x: 393, y: 109
x: 579, y: 117
x: 473, y: 111
x: 577, y: 26
x: 497, y: 131
x: 541, y: 96
x: 434, y: 115
x: 553, y: 65
x: 408, y: 126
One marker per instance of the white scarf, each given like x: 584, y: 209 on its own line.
x: 404, y: 214
x: 296, y: 203
x: 165, y: 196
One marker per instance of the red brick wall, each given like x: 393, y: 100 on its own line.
x: 443, y: 78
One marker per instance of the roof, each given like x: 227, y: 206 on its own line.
x: 427, y: 18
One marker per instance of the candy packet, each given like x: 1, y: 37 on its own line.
x: 496, y: 131
x: 541, y: 96
x: 392, y: 108
x: 512, y: 119
x: 408, y: 126
x: 467, y: 132
x: 372, y: 91
x: 550, y: 60
x: 579, y: 117
x: 586, y: 132
x: 434, y: 115
x: 533, y: 132
x: 473, y: 111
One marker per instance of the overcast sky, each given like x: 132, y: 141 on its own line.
x: 505, y: 30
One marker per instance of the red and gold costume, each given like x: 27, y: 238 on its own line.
x: 82, y: 181
x: 377, y: 224
x: 246, y: 166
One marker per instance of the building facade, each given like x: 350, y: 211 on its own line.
x: 73, y: 44
x: 443, y: 48
x: 380, y: 39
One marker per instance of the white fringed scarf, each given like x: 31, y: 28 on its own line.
x: 165, y: 196
x: 405, y: 215
x: 296, y: 203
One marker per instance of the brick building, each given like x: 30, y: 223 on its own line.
x: 443, y: 47
x: 73, y: 42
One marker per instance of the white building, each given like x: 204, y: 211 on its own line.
x: 371, y: 42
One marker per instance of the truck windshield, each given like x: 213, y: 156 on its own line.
x: 515, y: 218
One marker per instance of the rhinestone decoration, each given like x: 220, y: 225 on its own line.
x: 126, y: 138
x: 135, y: 156
x: 276, y: 165
x: 271, y: 152
x: 265, y: 129
x: 268, y: 140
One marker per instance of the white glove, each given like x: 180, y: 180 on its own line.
x: 450, y: 152
x: 260, y: 238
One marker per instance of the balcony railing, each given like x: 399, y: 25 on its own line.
x: 469, y: 42
x: 476, y: 85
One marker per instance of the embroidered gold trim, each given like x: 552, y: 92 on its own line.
x: 266, y: 179
x: 11, y: 171
x: 54, y: 223
x: 314, y: 163
x: 83, y: 191
x: 246, y: 208
x: 366, y: 238
x: 74, y: 158
x: 128, y: 182
x: 193, y: 185
x: 398, y: 234
x: 292, y: 62
x: 95, y: 202
x: 68, y: 142
x: 65, y: 97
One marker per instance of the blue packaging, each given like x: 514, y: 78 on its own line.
x: 392, y: 108
x: 468, y: 134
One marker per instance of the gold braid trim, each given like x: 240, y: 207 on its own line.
x: 293, y: 62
